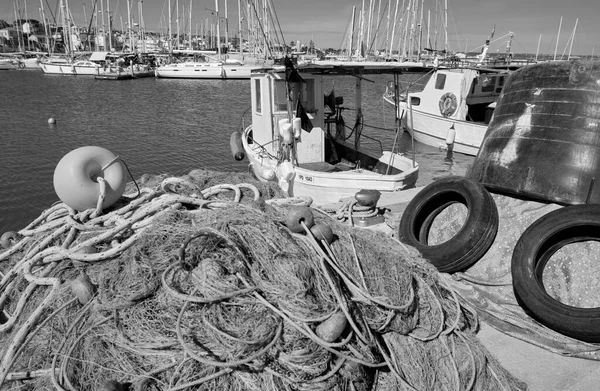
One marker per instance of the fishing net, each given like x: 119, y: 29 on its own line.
x: 198, y: 283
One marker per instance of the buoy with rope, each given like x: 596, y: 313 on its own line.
x: 83, y: 174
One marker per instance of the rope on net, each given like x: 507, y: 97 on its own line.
x: 195, y: 290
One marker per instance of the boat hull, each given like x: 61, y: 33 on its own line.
x: 435, y: 130
x: 205, y: 72
x: 326, y: 187
x: 67, y: 69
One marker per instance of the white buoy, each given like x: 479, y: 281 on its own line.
x: 51, y: 121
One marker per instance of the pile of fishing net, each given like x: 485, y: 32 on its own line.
x: 196, y: 283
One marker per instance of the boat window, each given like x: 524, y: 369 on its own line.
x: 257, y: 99
x: 307, y: 95
x: 279, y: 96
x: 440, y: 81
x: 488, y: 84
x: 415, y: 101
x: 501, y: 81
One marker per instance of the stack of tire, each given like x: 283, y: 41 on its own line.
x: 543, y: 144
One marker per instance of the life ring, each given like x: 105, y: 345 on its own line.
x: 75, y: 177
x: 448, y: 104
x: 21, y: 65
x: 534, y: 249
x: 473, y: 239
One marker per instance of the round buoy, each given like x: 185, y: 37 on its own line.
x: 297, y: 216
x: 75, y: 177
x: 8, y: 238
x: 83, y: 288
x: 322, y: 232
x: 51, y: 121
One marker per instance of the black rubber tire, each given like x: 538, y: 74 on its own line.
x: 471, y: 242
x: 532, y: 252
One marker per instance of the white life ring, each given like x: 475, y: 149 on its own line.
x: 75, y: 173
x: 448, y: 104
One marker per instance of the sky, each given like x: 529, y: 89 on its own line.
x: 326, y: 22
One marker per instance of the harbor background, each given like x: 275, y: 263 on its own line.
x: 157, y: 126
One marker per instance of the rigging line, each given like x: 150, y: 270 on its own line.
x: 370, y: 47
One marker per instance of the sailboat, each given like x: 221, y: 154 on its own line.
x: 69, y: 64
x: 194, y: 64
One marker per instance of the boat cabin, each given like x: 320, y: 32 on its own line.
x: 460, y: 94
x: 321, y: 141
x: 271, y: 111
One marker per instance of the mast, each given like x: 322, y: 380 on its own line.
x: 428, y: 27
x: 29, y: 28
x: 240, y: 26
x: 129, y: 26
x: 351, y: 43
x: 446, y: 26
x: 109, y: 25
x: 190, y: 45
x: 361, y: 29
x: 369, y: 22
x: 557, y: 37
x: 103, y: 24
x: 45, y: 25
x: 387, y: 31
x: 66, y: 37
x: 538, y: 48
x: 177, y: 21
x: 419, y: 47
x: 226, y: 26
x: 394, y: 26
x: 572, y: 38
x: 218, y: 32
x: 17, y: 24
x: 169, y: 30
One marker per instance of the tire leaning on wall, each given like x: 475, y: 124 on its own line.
x: 474, y: 238
x: 532, y: 252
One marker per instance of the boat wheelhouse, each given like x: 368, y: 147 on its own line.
x: 453, y: 109
x: 297, y: 136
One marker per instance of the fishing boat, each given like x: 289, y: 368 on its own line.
x: 453, y: 108
x: 298, y: 137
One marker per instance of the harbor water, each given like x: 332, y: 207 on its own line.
x: 157, y: 126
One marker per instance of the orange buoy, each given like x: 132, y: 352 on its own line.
x: 237, y: 147
x: 75, y: 177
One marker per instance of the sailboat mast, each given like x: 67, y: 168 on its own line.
x: 240, y: 26
x: 351, y: 43
x: 394, y: 26
x: 557, y: 37
x: 387, y: 31
x: 572, y: 38
x: 109, y: 25
x: 17, y: 24
x: 169, y: 30
x: 29, y: 26
x: 177, y: 21
x: 190, y: 45
x: 446, y: 26
x: 45, y: 25
x: 226, y: 26
x: 218, y: 25
x: 538, y: 47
